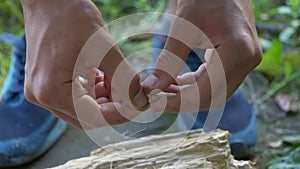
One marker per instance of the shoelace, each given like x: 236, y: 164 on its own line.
x: 14, y: 87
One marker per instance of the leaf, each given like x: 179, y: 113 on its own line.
x: 293, y: 59
x: 291, y: 161
x: 272, y: 60
x: 283, y: 102
x: 294, y: 4
x: 296, y: 155
x: 283, y: 165
x: 295, y: 23
x: 286, y: 34
x: 292, y: 139
x: 275, y: 144
x: 265, y: 44
x: 287, y: 103
x: 284, y: 10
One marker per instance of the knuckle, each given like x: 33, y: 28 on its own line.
x: 29, y: 94
x: 43, y: 97
x: 39, y: 94
x: 250, y: 48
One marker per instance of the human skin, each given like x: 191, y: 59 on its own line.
x: 228, y: 31
x: 56, y: 31
x: 54, y: 44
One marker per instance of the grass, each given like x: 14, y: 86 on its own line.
x: 11, y: 21
x: 5, y: 59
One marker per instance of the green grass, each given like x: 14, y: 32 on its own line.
x: 11, y: 21
x: 5, y: 59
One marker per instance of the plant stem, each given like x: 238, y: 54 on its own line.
x: 279, y: 86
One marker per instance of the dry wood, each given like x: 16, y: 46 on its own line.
x: 192, y: 149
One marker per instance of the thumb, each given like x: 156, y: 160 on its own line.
x: 137, y: 95
x: 183, y: 36
x: 168, y: 65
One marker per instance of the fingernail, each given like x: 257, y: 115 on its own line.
x: 153, y: 98
x: 102, y: 100
x: 98, y: 73
x: 150, y: 82
x: 140, y: 100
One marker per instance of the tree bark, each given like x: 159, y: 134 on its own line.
x: 192, y: 149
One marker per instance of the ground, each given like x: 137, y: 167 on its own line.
x: 273, y: 124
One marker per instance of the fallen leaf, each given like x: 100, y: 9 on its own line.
x: 287, y: 103
x: 292, y: 139
x: 275, y: 144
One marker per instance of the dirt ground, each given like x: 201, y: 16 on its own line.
x: 272, y: 121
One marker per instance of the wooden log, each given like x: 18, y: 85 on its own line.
x: 192, y: 149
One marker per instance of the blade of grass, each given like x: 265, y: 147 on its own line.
x: 279, y: 86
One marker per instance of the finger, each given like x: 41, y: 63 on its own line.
x: 91, y: 76
x: 140, y: 99
x: 168, y: 65
x: 190, y: 77
x: 107, y: 82
x: 90, y: 112
x: 100, y: 90
x: 102, y: 100
x: 126, y: 87
x: 211, y: 86
x: 114, y: 113
x: 187, y: 100
x: 104, y: 114
x: 187, y: 78
x: 182, y: 38
x: 99, y: 76
x: 84, y: 106
x: 172, y: 89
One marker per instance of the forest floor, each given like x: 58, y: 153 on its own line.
x: 273, y: 124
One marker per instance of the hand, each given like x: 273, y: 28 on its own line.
x: 56, y: 31
x: 228, y: 32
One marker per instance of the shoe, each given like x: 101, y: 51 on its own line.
x: 242, y: 126
x: 239, y: 117
x: 26, y: 131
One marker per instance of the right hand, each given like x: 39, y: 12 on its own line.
x: 56, y: 31
x: 227, y: 30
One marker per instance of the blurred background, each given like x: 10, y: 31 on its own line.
x: 273, y: 87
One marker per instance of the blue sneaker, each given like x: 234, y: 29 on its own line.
x: 239, y: 117
x: 26, y: 131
